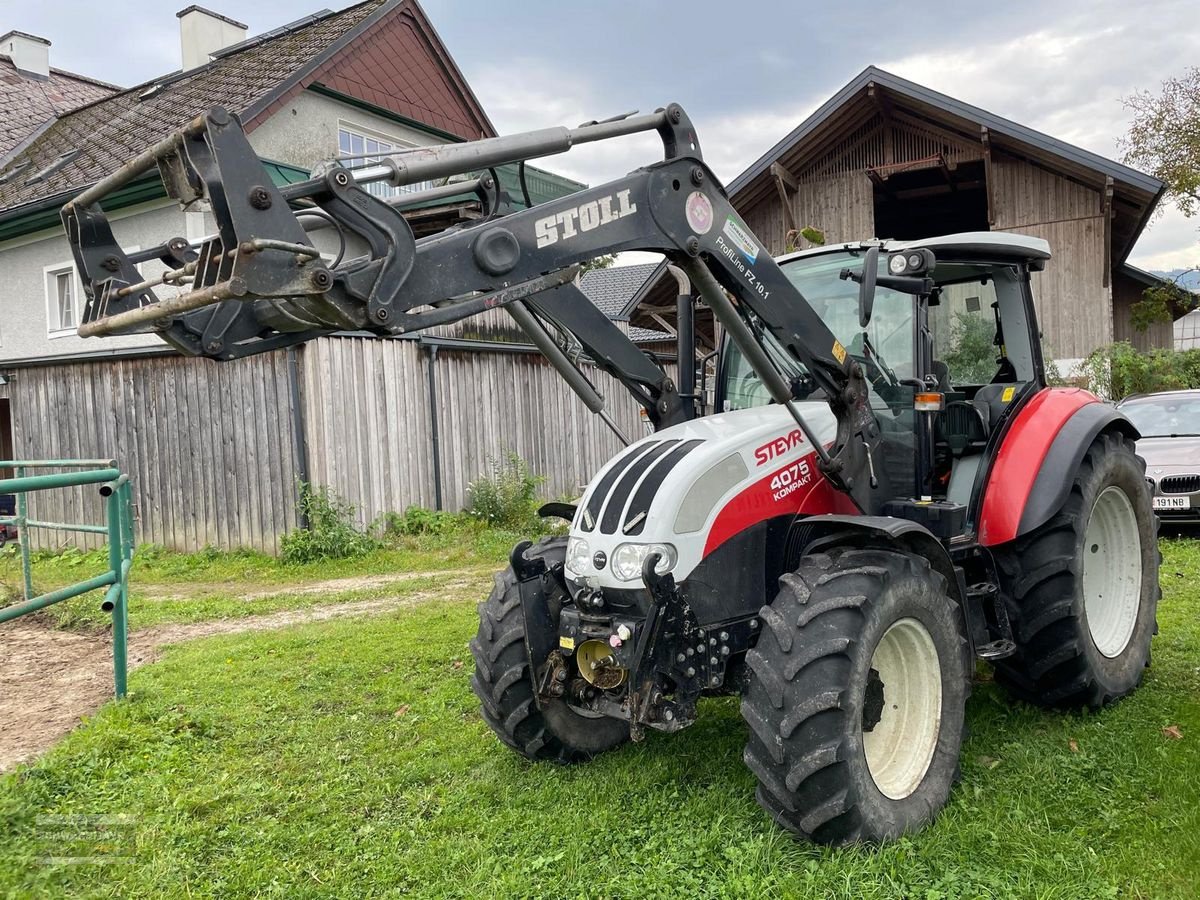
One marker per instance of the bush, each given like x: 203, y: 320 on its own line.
x: 972, y: 354
x: 1120, y: 369
x: 332, y: 531
x: 507, y: 496
x: 418, y: 520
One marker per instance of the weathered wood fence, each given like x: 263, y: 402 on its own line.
x: 215, y: 451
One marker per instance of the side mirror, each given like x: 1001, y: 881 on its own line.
x: 866, y: 284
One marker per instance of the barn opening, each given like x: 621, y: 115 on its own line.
x: 929, y: 198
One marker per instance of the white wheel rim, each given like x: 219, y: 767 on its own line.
x: 900, y: 746
x: 1112, y: 572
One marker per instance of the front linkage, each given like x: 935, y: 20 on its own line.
x: 669, y: 658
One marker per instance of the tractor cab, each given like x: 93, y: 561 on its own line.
x: 945, y: 336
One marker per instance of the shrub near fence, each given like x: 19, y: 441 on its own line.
x: 1118, y: 370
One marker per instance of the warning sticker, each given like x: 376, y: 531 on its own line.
x: 839, y: 352
x: 567, y: 643
x: 1008, y: 394
x: 699, y: 212
x: 741, y: 238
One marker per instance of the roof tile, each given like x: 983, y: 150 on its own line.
x: 28, y: 103
x: 114, y: 128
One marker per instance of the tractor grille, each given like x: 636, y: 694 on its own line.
x: 1179, y: 484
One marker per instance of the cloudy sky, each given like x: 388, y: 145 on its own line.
x: 747, y: 72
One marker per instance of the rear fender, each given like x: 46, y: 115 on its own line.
x: 1035, y: 466
x: 900, y: 534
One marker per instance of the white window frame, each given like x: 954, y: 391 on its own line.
x: 53, y: 271
x: 366, y: 133
x: 50, y: 275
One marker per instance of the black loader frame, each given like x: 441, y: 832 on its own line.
x: 247, y: 294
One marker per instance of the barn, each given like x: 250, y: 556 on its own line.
x: 886, y: 157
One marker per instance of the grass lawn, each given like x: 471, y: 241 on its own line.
x: 348, y: 759
x: 176, y: 587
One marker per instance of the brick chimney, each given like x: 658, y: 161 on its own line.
x: 203, y: 32
x: 28, y: 52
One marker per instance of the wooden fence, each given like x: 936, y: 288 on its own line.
x: 213, y: 453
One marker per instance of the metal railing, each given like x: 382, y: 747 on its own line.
x: 118, y: 528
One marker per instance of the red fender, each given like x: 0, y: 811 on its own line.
x: 1020, y: 457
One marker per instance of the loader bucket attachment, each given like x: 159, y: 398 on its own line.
x: 259, y: 250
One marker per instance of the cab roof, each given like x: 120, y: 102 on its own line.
x: 986, y: 244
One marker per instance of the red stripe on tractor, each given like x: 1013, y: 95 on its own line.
x: 1020, y: 458
x: 758, y: 502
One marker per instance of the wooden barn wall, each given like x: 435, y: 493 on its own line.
x: 1126, y: 292
x: 1073, y: 303
x: 209, y: 448
x: 370, y: 429
x: 842, y: 206
x: 836, y: 196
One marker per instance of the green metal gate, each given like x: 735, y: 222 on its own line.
x: 118, y: 527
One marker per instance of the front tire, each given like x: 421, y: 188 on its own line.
x: 504, y: 684
x: 1083, y: 589
x: 857, y: 699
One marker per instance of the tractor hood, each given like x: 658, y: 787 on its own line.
x: 693, y: 486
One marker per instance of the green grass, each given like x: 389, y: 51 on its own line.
x: 462, y: 547
x: 166, y: 586
x: 348, y: 759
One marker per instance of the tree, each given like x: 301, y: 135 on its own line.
x: 1163, y: 302
x: 1164, y: 137
x: 972, y: 353
x: 600, y: 262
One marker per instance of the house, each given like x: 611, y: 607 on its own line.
x: 216, y: 450
x: 887, y: 157
x: 1187, y: 331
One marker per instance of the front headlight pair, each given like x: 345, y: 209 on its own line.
x: 627, y: 559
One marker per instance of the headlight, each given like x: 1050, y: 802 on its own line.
x: 898, y: 264
x: 577, y: 556
x: 628, y: 558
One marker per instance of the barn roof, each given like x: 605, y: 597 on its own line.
x: 614, y: 291
x: 1134, y: 193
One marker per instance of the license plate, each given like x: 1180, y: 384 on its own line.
x: 1172, y: 502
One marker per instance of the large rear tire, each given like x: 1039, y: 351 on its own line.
x: 857, y: 698
x: 504, y: 684
x: 1082, y: 590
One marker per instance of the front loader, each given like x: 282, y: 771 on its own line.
x: 837, y: 541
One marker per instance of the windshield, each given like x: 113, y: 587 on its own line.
x: 890, y: 332
x: 1168, y: 415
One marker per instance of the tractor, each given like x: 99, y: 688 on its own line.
x: 870, y: 504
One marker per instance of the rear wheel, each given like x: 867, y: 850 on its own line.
x: 1083, y: 589
x: 504, y: 683
x: 857, y: 697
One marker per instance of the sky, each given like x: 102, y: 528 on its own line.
x: 746, y: 72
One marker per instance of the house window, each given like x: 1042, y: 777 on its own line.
x: 64, y: 297
x: 368, y: 148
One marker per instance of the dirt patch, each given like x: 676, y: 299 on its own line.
x: 50, y: 679
x: 331, y: 586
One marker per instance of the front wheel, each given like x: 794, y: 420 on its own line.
x: 504, y: 684
x: 1083, y: 588
x: 857, y: 698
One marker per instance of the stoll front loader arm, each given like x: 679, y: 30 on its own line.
x: 259, y: 283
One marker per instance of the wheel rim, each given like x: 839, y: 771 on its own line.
x: 903, y: 710
x: 1112, y: 571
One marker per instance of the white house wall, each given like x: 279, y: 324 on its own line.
x: 24, y: 323
x: 307, y: 130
